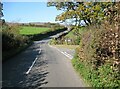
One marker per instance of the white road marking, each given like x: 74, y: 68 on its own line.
x: 65, y: 53
x: 40, y: 51
x: 68, y: 55
x: 32, y: 64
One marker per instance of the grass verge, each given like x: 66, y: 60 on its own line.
x: 81, y: 69
x: 67, y: 46
x: 102, y: 78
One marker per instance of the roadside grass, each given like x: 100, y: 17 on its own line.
x: 67, y: 46
x: 95, y: 78
x: 25, y: 30
x: 82, y: 70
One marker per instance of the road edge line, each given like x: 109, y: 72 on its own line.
x: 32, y: 64
x: 64, y: 53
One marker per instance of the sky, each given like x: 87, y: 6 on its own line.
x: 25, y: 12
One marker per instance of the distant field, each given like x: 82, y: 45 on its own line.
x: 32, y: 30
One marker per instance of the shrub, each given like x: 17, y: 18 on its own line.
x: 11, y: 38
x: 99, y: 53
x: 53, y: 41
x: 99, y: 57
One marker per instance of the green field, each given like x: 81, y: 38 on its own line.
x: 32, y: 30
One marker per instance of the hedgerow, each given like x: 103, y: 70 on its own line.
x: 98, y: 56
x: 11, y: 39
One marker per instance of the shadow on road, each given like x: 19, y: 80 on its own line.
x: 36, y: 80
x: 13, y: 70
x: 38, y: 74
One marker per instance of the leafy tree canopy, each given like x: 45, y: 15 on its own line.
x: 89, y: 12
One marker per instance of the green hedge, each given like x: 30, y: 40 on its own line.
x: 95, y: 60
x: 12, y: 41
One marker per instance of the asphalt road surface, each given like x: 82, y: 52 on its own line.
x: 40, y: 66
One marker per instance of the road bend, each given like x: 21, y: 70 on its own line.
x: 40, y: 66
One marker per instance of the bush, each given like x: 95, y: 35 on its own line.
x: 98, y: 57
x: 11, y: 40
x: 97, y: 61
x: 53, y: 41
x: 99, y: 54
